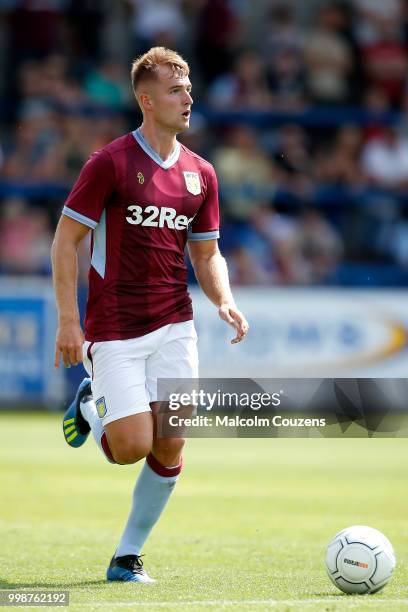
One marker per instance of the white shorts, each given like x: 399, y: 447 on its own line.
x: 124, y: 372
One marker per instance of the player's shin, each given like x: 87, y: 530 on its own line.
x: 151, y: 494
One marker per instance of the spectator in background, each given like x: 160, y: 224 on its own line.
x: 245, y: 87
x: 245, y: 268
x: 294, y: 160
x: 107, y: 85
x: 385, y: 159
x: 376, y: 101
x: 319, y: 245
x: 281, y: 46
x: 30, y: 157
x: 84, y: 21
x: 52, y: 74
x: 75, y: 145
x: 286, y: 80
x: 371, y: 15
x: 260, y: 251
x: 279, y: 232
x: 385, y: 163
x: 377, y: 104
x: 214, y: 38
x: 246, y: 174
x: 34, y: 32
x: 345, y: 18
x: 281, y: 32
x: 328, y: 58
x: 157, y: 22
x: 25, y: 238
x: 341, y: 163
x: 34, y: 28
x: 385, y: 61
x: 30, y: 81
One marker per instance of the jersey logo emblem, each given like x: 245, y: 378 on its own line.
x: 140, y: 178
x: 192, y: 182
x: 100, y: 407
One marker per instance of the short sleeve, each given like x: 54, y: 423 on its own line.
x: 206, y: 223
x: 92, y: 190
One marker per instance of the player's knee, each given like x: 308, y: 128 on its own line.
x: 168, y: 450
x: 176, y: 445
x: 126, y: 454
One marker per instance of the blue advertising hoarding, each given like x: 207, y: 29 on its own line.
x: 27, y: 333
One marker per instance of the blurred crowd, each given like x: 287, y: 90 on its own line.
x: 301, y: 107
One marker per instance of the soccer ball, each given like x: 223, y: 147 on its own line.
x: 360, y: 560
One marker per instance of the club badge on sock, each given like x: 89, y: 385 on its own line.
x: 101, y: 407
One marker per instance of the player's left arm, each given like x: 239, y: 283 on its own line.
x: 211, y: 272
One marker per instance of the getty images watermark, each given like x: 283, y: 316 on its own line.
x: 282, y: 407
x: 227, y: 401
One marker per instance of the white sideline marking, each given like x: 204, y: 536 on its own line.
x: 249, y: 602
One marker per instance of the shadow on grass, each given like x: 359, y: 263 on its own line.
x: 326, y: 594
x: 4, y: 584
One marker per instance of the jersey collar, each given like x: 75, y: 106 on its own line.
x: 165, y: 164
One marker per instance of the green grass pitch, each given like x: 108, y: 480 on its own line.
x: 246, y: 528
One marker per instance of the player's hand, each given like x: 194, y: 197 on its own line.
x: 68, y: 343
x: 235, y: 318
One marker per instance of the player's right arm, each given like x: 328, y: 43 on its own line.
x: 64, y: 258
x: 81, y: 213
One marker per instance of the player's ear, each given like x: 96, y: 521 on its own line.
x: 145, y: 101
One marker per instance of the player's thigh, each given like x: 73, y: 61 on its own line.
x: 176, y: 357
x: 119, y: 391
x: 130, y: 438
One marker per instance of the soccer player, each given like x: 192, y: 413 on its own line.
x: 144, y: 196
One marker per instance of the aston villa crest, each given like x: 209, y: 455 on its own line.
x: 101, y: 407
x: 192, y: 182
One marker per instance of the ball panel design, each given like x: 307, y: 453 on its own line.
x: 331, y: 556
x: 356, y: 562
x: 351, y: 587
x: 384, y: 569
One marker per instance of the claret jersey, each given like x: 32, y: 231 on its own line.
x: 142, y: 211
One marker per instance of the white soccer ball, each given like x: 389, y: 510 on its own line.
x: 360, y: 559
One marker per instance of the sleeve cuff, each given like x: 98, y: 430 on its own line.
x: 78, y: 217
x: 214, y: 235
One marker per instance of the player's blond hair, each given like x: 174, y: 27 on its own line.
x: 145, y: 67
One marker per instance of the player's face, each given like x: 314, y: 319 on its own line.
x: 171, y: 100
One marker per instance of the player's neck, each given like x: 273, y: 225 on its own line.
x: 161, y: 141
